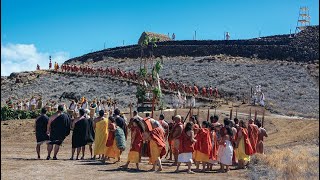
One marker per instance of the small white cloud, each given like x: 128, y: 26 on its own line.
x: 25, y: 57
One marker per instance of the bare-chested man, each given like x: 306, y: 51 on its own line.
x: 262, y: 133
x: 253, y: 131
x: 175, y: 135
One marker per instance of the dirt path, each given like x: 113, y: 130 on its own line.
x: 18, y: 161
x: 18, y: 152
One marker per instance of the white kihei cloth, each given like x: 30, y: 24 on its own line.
x: 185, y: 157
x: 225, y: 153
x: 73, y: 106
x: 193, y: 101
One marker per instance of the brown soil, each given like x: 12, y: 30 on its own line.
x: 18, y: 156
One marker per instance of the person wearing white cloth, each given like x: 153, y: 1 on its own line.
x: 186, y: 148
x: 225, y: 151
x: 85, y: 104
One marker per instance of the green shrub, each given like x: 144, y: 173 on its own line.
x: 8, y: 114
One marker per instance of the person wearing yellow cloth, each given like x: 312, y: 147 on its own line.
x: 157, y: 144
x: 243, y: 146
x: 112, y: 150
x: 101, y: 134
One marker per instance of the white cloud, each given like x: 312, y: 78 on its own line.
x: 25, y: 57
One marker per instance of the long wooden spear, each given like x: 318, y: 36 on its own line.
x: 263, y: 116
x: 130, y: 106
x: 237, y: 113
x: 231, y: 113
x: 255, y: 115
x: 250, y: 114
x: 187, y: 114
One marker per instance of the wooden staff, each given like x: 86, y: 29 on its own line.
x: 215, y: 110
x: 175, y: 112
x: 208, y: 115
x: 263, y: 117
x: 255, y: 115
x: 130, y: 105
x: 231, y: 113
x: 237, y: 113
x: 191, y: 113
x: 153, y: 100
x: 187, y: 114
x: 250, y: 114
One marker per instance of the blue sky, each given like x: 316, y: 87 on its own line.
x: 66, y: 29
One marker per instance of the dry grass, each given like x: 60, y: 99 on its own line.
x: 300, y: 163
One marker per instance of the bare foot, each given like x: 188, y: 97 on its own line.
x: 153, y: 169
x: 191, y: 172
x: 124, y: 167
x: 160, y: 169
x: 174, y: 164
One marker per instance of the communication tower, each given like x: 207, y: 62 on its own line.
x: 303, y: 19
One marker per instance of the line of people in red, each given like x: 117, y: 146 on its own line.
x: 133, y: 76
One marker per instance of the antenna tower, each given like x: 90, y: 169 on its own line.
x: 303, y: 19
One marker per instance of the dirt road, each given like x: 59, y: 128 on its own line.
x: 18, y: 156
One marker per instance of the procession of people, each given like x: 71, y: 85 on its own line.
x: 193, y: 141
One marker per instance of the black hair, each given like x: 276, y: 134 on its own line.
x: 139, y: 124
x: 81, y: 112
x: 60, y: 107
x: 116, y: 111
x: 195, y: 119
x: 135, y: 112
x: 43, y: 110
x: 243, y: 124
x: 215, y: 118
x: 258, y: 123
x: 236, y: 120
x: 161, y: 117
x: 101, y: 113
x: 211, y: 118
x: 226, y: 122
x: 111, y: 118
x: 206, y: 124
x: 229, y: 131
x: 188, y: 127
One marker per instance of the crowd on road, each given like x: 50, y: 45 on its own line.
x: 196, y: 141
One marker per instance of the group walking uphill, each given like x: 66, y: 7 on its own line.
x: 170, y: 85
x: 208, y: 143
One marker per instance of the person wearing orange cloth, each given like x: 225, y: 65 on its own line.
x: 262, y: 133
x: 253, y: 131
x: 112, y: 150
x: 174, y: 137
x: 137, y: 130
x: 214, y: 141
x: 203, y: 146
x: 204, y: 91
x: 186, y: 147
x: 195, y: 90
x: 243, y: 145
x: 157, y: 144
x: 196, y: 128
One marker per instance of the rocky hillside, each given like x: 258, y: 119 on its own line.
x: 303, y: 47
x: 288, y: 86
